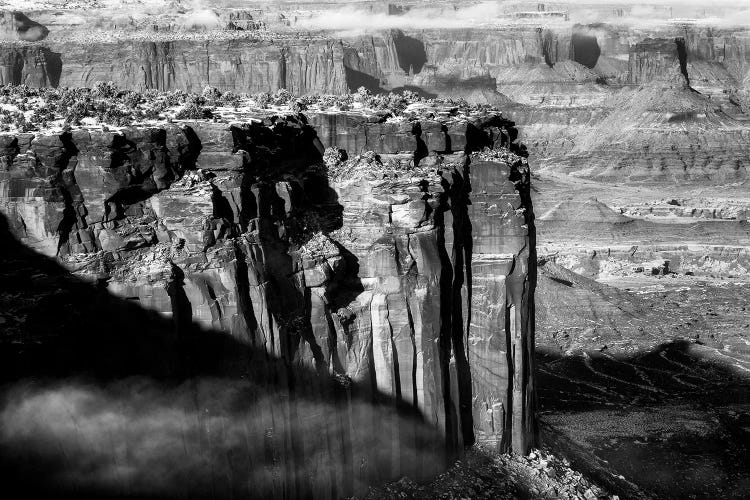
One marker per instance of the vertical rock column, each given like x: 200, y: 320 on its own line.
x: 501, y: 325
x: 445, y: 256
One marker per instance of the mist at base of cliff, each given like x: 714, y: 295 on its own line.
x: 213, y: 438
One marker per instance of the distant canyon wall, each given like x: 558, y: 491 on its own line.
x: 231, y: 65
x: 511, y: 60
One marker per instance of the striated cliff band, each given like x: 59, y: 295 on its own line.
x: 369, y: 274
x: 561, y: 78
x: 601, y: 94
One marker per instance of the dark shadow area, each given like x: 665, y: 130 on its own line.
x: 459, y: 190
x: 13, y: 59
x: 420, y: 150
x: 398, y: 10
x: 102, y: 398
x: 502, y: 133
x: 278, y: 145
x: 682, y: 55
x: 585, y: 49
x: 410, y: 52
x: 190, y: 151
x: 417, y: 90
x: 53, y: 66
x: 458, y: 86
x: 356, y: 79
x: 129, y: 167
x: 70, y: 192
x: 28, y: 30
x: 508, y: 135
x: 671, y: 420
x: 548, y: 45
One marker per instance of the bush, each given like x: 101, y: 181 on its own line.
x: 175, y: 97
x: 282, y: 97
x: 333, y: 157
x: 106, y: 90
x: 362, y: 95
x: 132, y: 99
x: 262, y: 100
x: 230, y: 99
x: 109, y: 105
x: 193, y: 111
x: 327, y: 101
x: 211, y: 95
x: 77, y: 112
x: 298, y: 106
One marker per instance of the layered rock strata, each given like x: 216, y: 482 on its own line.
x: 563, y: 83
x: 402, y: 260
x: 533, y: 63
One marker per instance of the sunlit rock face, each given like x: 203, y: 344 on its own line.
x: 533, y: 64
x: 561, y: 82
x: 236, y: 65
x: 401, y: 260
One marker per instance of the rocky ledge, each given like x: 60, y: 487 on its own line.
x: 395, y: 252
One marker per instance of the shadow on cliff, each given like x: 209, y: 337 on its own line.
x: 356, y: 79
x: 33, y: 65
x: 103, y: 398
x: 410, y: 52
x: 674, y: 419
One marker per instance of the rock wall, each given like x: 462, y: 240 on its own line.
x: 408, y: 268
x: 512, y: 57
x: 34, y: 66
x: 236, y: 65
x: 531, y: 64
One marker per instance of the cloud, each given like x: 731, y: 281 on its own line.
x: 443, y: 16
x: 351, y: 20
x: 205, y: 19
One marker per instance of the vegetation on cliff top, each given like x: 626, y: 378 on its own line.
x: 27, y: 109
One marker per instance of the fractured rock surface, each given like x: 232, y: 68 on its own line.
x: 403, y: 264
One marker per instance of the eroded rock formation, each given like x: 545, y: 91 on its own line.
x: 401, y: 260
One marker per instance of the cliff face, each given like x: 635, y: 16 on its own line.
x: 536, y: 66
x: 236, y: 65
x: 562, y: 86
x: 408, y: 268
x: 32, y: 65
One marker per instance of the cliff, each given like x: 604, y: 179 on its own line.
x: 559, y: 59
x: 533, y: 63
x: 238, y: 65
x: 400, y: 262
x: 561, y: 83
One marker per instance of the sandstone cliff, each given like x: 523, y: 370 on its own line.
x: 402, y: 261
x: 561, y: 84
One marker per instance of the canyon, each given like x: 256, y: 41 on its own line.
x: 570, y: 176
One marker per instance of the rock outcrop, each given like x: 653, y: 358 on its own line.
x: 402, y: 259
